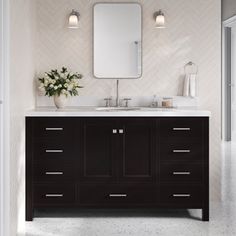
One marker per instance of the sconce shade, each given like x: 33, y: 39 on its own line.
x: 73, y: 20
x: 160, y: 20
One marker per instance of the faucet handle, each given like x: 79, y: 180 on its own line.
x: 127, y: 101
x: 108, y: 101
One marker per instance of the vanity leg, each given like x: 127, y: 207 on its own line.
x: 29, y: 214
x: 29, y: 209
x: 205, y: 209
x: 205, y: 214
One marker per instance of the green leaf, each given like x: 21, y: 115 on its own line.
x: 61, y: 80
x: 63, y: 70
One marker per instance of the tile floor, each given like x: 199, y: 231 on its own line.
x: 146, y: 223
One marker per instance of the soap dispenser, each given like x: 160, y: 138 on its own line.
x: 154, y: 101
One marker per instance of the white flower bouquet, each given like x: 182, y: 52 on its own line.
x: 56, y: 83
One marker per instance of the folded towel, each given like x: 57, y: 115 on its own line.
x: 186, y: 85
x: 192, y: 85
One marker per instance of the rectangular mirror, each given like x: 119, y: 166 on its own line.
x: 117, y: 49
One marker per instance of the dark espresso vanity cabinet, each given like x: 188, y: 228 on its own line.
x: 117, y: 162
x: 118, y: 149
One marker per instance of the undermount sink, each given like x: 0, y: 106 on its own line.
x: 158, y: 108
x: 134, y: 109
x: 117, y: 109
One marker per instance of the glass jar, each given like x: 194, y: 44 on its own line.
x: 167, y: 102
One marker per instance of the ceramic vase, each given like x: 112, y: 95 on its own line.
x: 60, y: 101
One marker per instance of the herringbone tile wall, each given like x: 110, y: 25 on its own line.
x: 193, y: 33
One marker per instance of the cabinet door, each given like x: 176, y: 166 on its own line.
x: 98, y: 149
x: 136, y: 149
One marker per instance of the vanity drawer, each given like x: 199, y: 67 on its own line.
x: 181, y: 172
x: 54, y: 194
x: 53, y: 127
x: 116, y: 195
x: 55, y: 150
x: 181, y: 195
x: 54, y: 171
x: 181, y: 151
x: 180, y: 128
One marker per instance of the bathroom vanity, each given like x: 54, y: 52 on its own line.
x: 117, y: 159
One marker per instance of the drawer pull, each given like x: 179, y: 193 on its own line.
x: 182, y: 173
x: 54, y: 151
x: 118, y: 195
x: 53, y: 195
x: 53, y: 129
x: 182, y: 195
x: 181, y: 129
x: 54, y: 173
x: 181, y: 151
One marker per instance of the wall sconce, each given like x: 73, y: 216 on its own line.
x: 160, y: 19
x: 73, y: 20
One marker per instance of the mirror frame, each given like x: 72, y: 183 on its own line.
x: 116, y: 78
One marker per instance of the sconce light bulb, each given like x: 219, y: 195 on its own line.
x: 73, y: 20
x: 160, y: 20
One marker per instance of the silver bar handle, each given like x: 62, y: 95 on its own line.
x: 181, y: 151
x: 53, y: 151
x: 181, y: 129
x: 121, y: 131
x: 53, y: 129
x: 114, y: 131
x: 54, y: 173
x: 118, y: 195
x: 182, y: 173
x: 181, y: 195
x: 53, y: 195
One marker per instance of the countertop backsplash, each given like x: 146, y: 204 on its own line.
x: 142, y: 101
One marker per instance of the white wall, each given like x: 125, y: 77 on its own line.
x: 233, y: 77
x: 22, y: 97
x: 228, y: 8
x: 193, y: 33
x: 4, y: 119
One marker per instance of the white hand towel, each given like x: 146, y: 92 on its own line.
x: 186, y: 85
x: 192, y: 85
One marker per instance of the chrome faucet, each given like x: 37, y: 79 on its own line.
x: 117, y: 99
x: 117, y: 94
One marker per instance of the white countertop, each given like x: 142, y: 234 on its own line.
x: 140, y: 112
